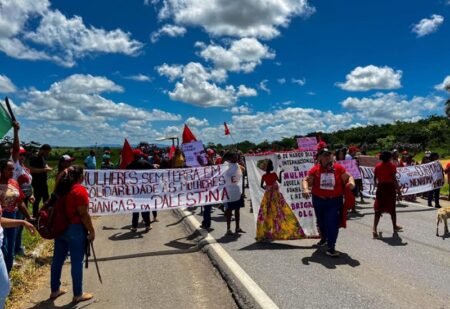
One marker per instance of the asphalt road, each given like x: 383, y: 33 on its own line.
x: 163, y: 268
x: 410, y: 269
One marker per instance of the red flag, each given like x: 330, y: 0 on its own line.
x: 187, y: 135
x: 171, y: 152
x: 227, y: 131
x: 127, y: 155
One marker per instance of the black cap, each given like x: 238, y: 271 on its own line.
x: 324, y: 151
x: 46, y: 147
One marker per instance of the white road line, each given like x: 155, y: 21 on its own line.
x: 260, y: 297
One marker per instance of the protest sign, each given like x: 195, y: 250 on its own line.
x: 125, y: 191
x: 412, y: 179
x: 351, y: 167
x: 307, y: 143
x: 294, y: 166
x: 195, y: 154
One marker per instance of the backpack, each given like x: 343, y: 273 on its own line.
x: 53, y: 220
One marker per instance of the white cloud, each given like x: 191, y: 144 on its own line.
x: 244, y: 91
x: 139, y: 78
x: 444, y: 85
x: 428, y: 25
x: 384, y: 108
x: 242, y: 55
x: 286, y: 123
x: 167, y: 30
x: 242, y: 109
x: 281, y: 81
x: 56, y: 37
x: 372, y: 77
x: 263, y: 86
x: 192, y: 121
x: 77, y: 101
x: 172, y: 72
x: 250, y: 18
x: 300, y: 82
x: 196, y: 87
x: 6, y: 85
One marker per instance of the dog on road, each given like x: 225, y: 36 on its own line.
x: 442, y: 215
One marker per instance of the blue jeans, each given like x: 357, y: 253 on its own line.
x: 18, y: 248
x: 9, y: 241
x: 328, y: 215
x: 4, y: 281
x: 206, y: 223
x: 73, y: 240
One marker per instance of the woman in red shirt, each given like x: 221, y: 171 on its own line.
x: 80, y: 230
x: 327, y: 180
x: 276, y: 221
x: 387, y: 186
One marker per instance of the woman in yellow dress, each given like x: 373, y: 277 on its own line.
x: 276, y: 221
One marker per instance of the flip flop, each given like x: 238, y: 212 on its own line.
x: 55, y: 295
x: 83, y: 297
x: 398, y: 228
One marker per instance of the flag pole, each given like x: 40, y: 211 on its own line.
x: 8, y: 106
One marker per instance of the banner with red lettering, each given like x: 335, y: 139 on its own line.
x: 411, y: 179
x: 125, y: 191
x: 291, y: 206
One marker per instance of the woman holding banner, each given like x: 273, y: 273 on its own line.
x: 387, y: 186
x: 327, y: 180
x: 276, y: 221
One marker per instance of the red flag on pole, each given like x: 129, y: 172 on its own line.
x: 187, y: 135
x: 171, y: 152
x: 227, y: 131
x: 127, y: 155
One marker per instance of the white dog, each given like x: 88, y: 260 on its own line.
x: 442, y: 215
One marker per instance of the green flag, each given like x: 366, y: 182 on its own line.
x: 5, y: 121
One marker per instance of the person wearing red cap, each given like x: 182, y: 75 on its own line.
x: 326, y: 180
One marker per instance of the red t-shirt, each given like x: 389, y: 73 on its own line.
x: 218, y: 161
x: 11, y: 195
x: 447, y: 168
x: 78, y: 196
x: 385, y: 172
x: 327, y: 183
x: 270, y: 179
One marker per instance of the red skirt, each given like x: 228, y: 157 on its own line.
x: 386, y: 198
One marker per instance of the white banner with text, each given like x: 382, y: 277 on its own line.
x: 412, y: 179
x: 126, y: 191
x: 293, y: 166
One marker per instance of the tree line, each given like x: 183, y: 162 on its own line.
x: 430, y: 133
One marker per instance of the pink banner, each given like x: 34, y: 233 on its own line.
x: 307, y: 143
x: 351, y: 167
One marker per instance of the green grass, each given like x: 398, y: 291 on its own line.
x: 445, y: 190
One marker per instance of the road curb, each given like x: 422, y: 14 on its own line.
x: 246, y: 292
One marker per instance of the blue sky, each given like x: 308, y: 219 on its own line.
x: 86, y: 72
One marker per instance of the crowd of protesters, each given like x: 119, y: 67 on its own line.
x: 327, y: 182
